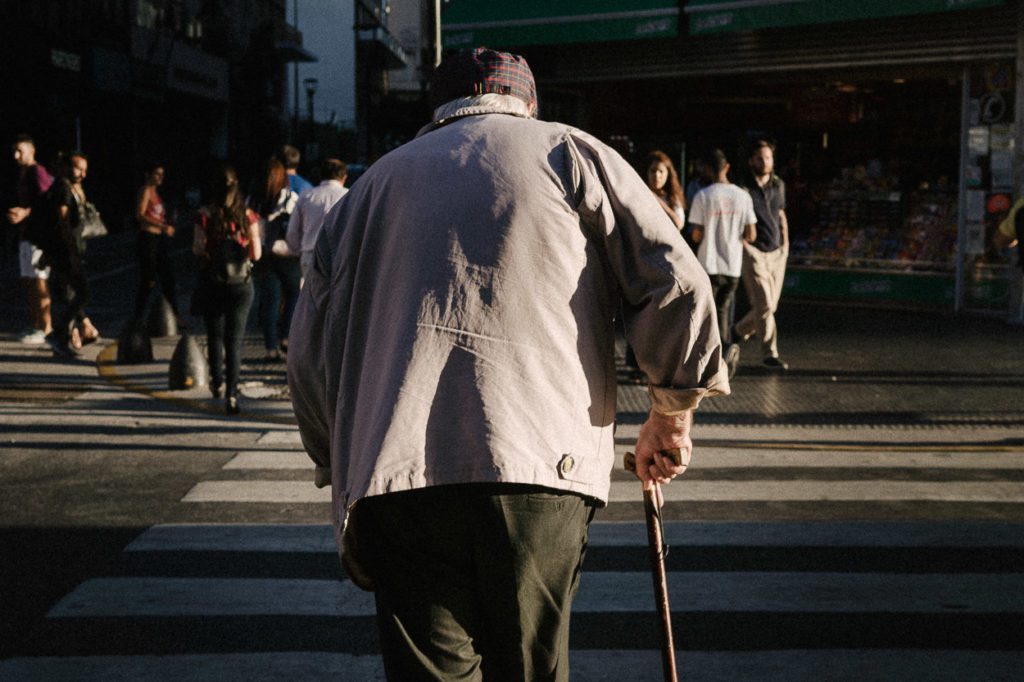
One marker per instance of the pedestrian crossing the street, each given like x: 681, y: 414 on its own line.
x: 752, y: 599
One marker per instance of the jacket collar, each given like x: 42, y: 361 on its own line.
x: 462, y: 112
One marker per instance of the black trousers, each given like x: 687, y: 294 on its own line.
x: 277, y: 280
x: 225, y: 310
x: 69, y: 284
x: 474, y: 581
x: 724, y: 289
x: 153, y: 251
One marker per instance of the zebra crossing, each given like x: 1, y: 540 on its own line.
x: 754, y: 597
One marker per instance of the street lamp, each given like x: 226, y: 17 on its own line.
x: 311, y: 85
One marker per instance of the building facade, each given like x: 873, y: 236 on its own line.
x: 895, y: 122
x: 130, y: 82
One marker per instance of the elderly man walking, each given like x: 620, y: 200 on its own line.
x: 453, y: 376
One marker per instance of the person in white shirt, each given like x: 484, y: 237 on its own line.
x: 311, y: 210
x: 722, y: 217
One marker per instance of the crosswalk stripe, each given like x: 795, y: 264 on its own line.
x: 306, y: 666
x: 295, y: 492
x: 268, y: 459
x: 125, y: 597
x: 827, y: 491
x: 600, y: 592
x: 681, y: 491
x: 281, y: 437
x: 905, y: 534
x: 800, y: 665
x: 911, y: 534
x: 721, y: 458
x: 302, y: 539
x: 730, y: 458
x: 804, y: 592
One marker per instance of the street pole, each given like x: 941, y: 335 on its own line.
x: 295, y: 76
x: 437, y: 32
x: 311, y: 85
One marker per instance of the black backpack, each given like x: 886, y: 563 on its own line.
x: 231, y: 264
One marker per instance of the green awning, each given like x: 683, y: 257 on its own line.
x: 471, y: 23
x: 721, y: 16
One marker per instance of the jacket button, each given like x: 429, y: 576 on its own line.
x: 566, y: 465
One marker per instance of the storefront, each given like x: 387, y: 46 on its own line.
x: 893, y: 123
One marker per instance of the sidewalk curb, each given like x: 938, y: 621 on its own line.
x: 106, y: 367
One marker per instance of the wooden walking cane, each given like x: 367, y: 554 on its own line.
x: 656, y: 547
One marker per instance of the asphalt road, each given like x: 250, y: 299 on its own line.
x: 859, y: 518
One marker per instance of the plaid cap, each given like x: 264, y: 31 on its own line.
x: 479, y: 71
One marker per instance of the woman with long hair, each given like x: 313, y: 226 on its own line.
x: 277, y: 275
x: 226, y: 242
x: 663, y: 180
x: 154, y: 243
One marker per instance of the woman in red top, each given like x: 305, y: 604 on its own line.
x: 226, y: 242
x: 154, y: 243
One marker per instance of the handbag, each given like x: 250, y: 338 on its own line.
x: 91, y: 222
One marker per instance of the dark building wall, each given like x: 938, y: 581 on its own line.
x: 133, y: 81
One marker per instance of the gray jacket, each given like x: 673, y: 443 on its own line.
x: 458, y: 323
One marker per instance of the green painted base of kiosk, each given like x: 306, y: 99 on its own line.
x: 914, y: 288
x: 876, y: 287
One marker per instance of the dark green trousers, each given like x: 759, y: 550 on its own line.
x: 476, y: 581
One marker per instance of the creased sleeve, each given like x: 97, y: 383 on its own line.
x: 293, y: 235
x: 307, y: 360
x: 669, y: 309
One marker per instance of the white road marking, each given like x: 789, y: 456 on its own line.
x: 600, y: 592
x: 264, y: 459
x: 319, y: 538
x: 299, y: 492
x: 584, y: 665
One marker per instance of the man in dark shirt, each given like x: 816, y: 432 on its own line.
x: 764, y: 260
x: 65, y: 255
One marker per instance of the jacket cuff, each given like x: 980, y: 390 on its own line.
x: 674, y: 401
x: 322, y: 477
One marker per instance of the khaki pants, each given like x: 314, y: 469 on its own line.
x: 474, y: 581
x: 763, y: 276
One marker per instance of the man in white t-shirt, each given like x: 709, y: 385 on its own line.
x: 722, y: 216
x: 312, y: 209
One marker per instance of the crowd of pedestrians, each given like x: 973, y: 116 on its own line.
x: 737, y: 231
x: 249, y: 246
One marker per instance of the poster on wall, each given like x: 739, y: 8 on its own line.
x: 974, y: 211
x: 974, y: 238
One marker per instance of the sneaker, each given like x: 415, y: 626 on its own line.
x: 732, y: 358
x: 775, y: 364
x: 231, y: 405
x: 61, y: 349
x: 33, y: 337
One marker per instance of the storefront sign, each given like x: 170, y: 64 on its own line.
x: 469, y: 23
x: 720, y: 16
